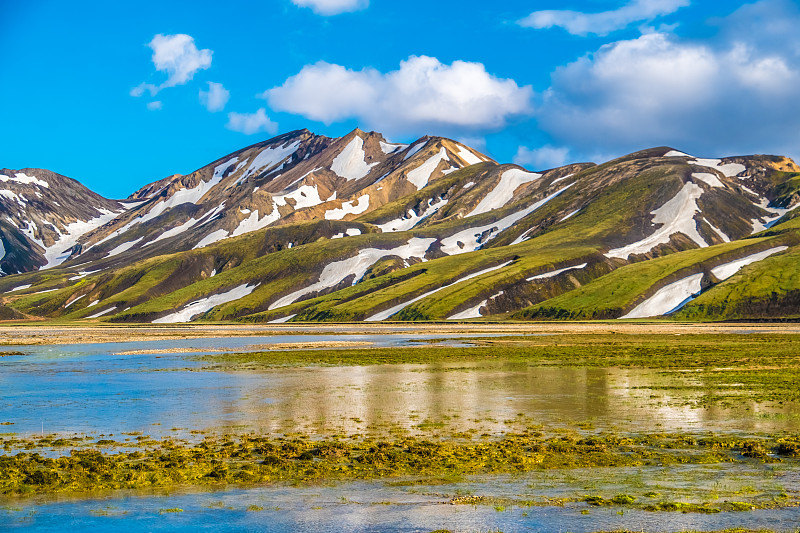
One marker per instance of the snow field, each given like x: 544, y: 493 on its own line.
x: 24, y: 179
x: 503, y: 192
x: 555, y: 273
x: 723, y: 272
x: 676, y: 216
x: 350, y: 164
x: 470, y: 237
x: 420, y: 176
x: 203, y: 305
x: 383, y: 315
x: 124, y: 247
x: 270, y: 157
x: 354, y: 207
x: 468, y: 155
x: 412, y: 218
x: 668, y: 298
x: 709, y: 179
x: 335, y: 272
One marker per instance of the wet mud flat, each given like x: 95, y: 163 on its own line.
x: 45, y: 333
x: 564, y: 432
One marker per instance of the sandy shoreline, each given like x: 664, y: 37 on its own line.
x: 41, y: 334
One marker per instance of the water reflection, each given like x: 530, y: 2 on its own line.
x: 68, y: 390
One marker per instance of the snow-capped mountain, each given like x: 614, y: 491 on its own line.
x: 306, y: 227
x: 43, y: 216
x: 293, y: 178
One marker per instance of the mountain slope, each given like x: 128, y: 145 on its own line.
x: 43, y: 215
x: 304, y: 227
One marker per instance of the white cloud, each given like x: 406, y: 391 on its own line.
x: 153, y: 106
x: 542, y: 158
x: 424, y: 94
x: 250, y: 123
x: 178, y: 56
x: 734, y: 93
x: 332, y: 7
x: 215, y: 98
x: 579, y: 23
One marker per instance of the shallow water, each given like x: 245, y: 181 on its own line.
x: 375, y: 507
x: 85, y: 389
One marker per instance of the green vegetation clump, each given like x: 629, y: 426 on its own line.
x: 251, y: 459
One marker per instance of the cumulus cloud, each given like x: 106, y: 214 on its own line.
x: 178, y: 56
x: 215, y: 98
x: 154, y: 106
x: 423, y: 94
x: 542, y: 158
x: 250, y: 123
x: 332, y: 7
x: 603, y: 23
x: 728, y: 94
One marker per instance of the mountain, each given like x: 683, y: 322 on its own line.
x: 306, y: 227
x: 43, y: 215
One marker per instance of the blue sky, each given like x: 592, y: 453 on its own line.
x: 118, y: 94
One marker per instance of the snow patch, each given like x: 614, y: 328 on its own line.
x: 352, y: 232
x: 203, y: 305
x: 472, y: 312
x: 13, y: 196
x: 23, y: 178
x: 468, y: 155
x: 675, y: 153
x: 252, y: 223
x: 420, y: 175
x: 676, y: 216
x: 412, y: 218
x: 728, y: 170
x: 718, y: 231
x: 21, y: 287
x: 75, y: 300
x: 389, y: 148
x: 269, y: 157
x: 303, y: 196
x: 562, y: 178
x: 669, y: 298
x: 104, y: 312
x: 177, y: 230
x: 570, y: 215
x: 555, y: 273
x: 471, y: 239
x: 414, y: 149
x: 350, y: 164
x: 503, y: 192
x: 220, y: 169
x: 723, y: 272
x: 282, y: 320
x: 353, y: 207
x: 709, y: 179
x: 124, y: 247
x: 335, y: 272
x: 383, y: 315
x: 211, y: 238
x: 62, y: 248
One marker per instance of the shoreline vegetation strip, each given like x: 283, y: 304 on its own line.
x: 245, y: 460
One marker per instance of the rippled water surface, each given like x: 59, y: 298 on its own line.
x: 85, y: 389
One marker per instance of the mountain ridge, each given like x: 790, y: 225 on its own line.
x: 307, y: 227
